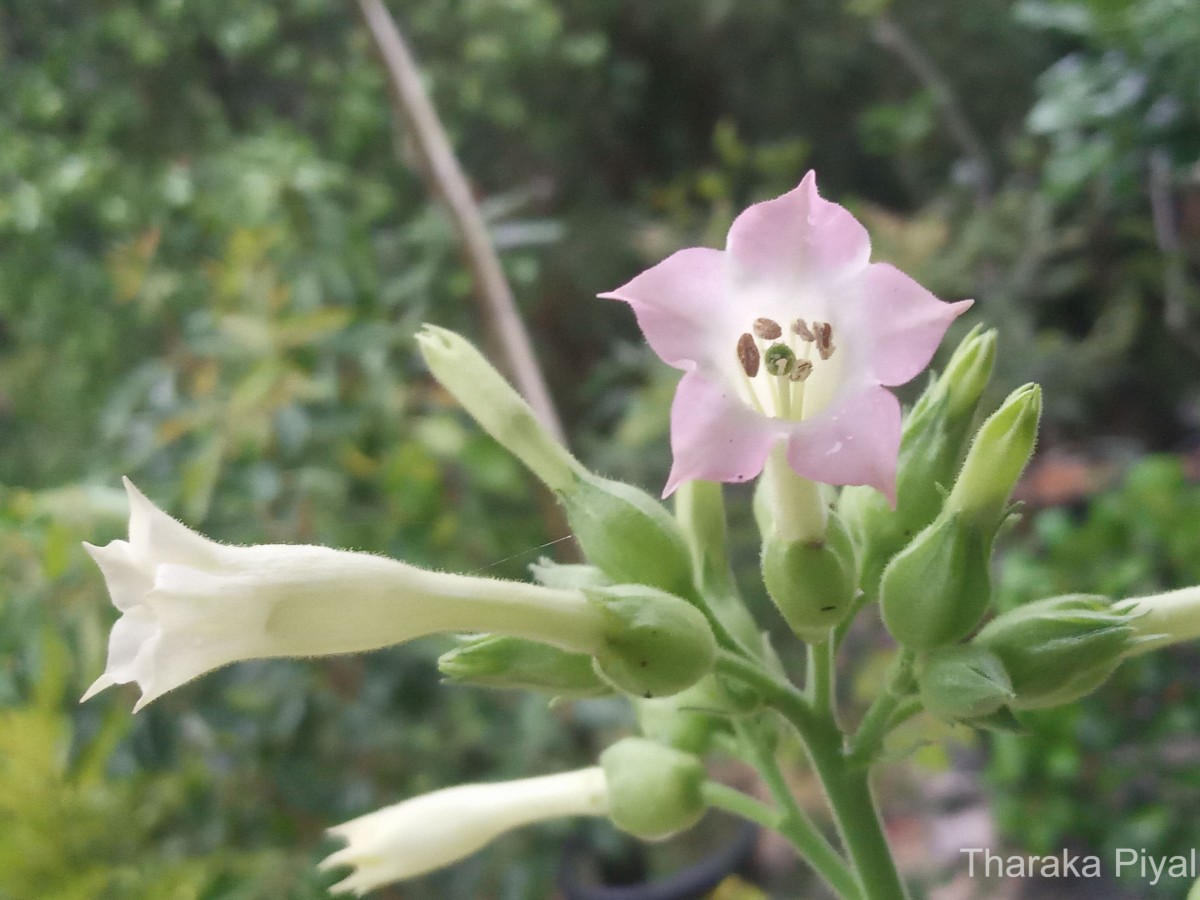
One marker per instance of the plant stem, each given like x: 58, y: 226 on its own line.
x: 846, y: 781
x: 795, y: 824
x: 722, y: 796
x: 820, y: 681
x: 878, y: 719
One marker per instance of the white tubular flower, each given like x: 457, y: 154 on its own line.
x: 190, y: 605
x: 434, y: 830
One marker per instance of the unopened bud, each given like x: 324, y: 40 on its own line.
x: 963, y: 682
x: 500, y: 661
x: 654, y: 791
x: 495, y: 405
x: 658, y: 644
x: 998, y: 455
x: 1060, y: 649
x: 936, y: 589
x: 931, y: 448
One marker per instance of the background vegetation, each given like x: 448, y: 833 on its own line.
x: 213, y: 254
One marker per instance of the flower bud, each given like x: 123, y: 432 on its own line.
x: 653, y: 791
x: 811, y: 584
x: 500, y: 661
x: 495, y: 405
x: 998, y: 455
x: 658, y: 644
x: 931, y: 447
x: 963, y: 682
x: 621, y: 529
x: 1060, y: 649
x: 1163, y: 619
x: 936, y: 589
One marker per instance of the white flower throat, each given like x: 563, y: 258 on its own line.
x: 776, y: 367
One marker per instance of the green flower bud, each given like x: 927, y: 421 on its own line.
x: 495, y: 405
x: 689, y: 720
x: 931, y: 447
x: 500, y: 661
x: 1060, y: 649
x: 653, y: 791
x: 963, y: 682
x: 811, y: 584
x: 936, y: 589
x: 628, y: 534
x: 998, y: 455
x: 658, y: 644
x: 621, y: 529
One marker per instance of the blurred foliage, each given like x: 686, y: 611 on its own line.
x: 1120, y: 768
x: 213, y: 255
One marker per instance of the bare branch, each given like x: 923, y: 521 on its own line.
x: 887, y: 32
x: 446, y: 181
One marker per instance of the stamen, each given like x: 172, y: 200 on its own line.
x: 800, y: 327
x: 823, y: 332
x: 767, y: 329
x: 802, y: 370
x: 780, y: 359
x: 748, y: 355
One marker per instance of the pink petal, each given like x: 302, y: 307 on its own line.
x: 854, y: 441
x: 680, y: 305
x: 907, y: 323
x: 800, y: 237
x: 714, y: 436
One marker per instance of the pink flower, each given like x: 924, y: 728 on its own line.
x: 788, y: 335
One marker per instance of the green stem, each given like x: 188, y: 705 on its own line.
x: 796, y: 825
x: 878, y: 719
x: 860, y: 601
x: 722, y: 796
x: 819, y: 684
x: 846, y: 782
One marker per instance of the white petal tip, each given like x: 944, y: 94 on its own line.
x: 97, y: 686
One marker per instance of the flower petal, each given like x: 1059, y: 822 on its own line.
x: 799, y: 237
x: 155, y: 537
x: 907, y: 323
x: 680, y: 305
x: 855, y: 441
x: 127, y: 582
x: 714, y: 436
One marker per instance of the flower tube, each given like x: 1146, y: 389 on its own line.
x: 436, y: 829
x: 790, y: 336
x: 190, y: 605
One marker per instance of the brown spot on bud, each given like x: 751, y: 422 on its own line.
x: 823, y: 332
x: 802, y: 371
x: 801, y: 328
x: 767, y: 329
x: 748, y: 355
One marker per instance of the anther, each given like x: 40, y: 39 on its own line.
x: 767, y: 329
x: 747, y: 354
x: 780, y: 359
x: 802, y: 371
x: 823, y: 332
x: 801, y: 328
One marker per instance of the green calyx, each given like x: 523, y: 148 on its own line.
x: 937, y: 589
x: 500, y: 661
x: 812, y: 584
x: 657, y: 645
x: 628, y: 534
x: 654, y: 791
x: 1060, y: 649
x: 963, y: 682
